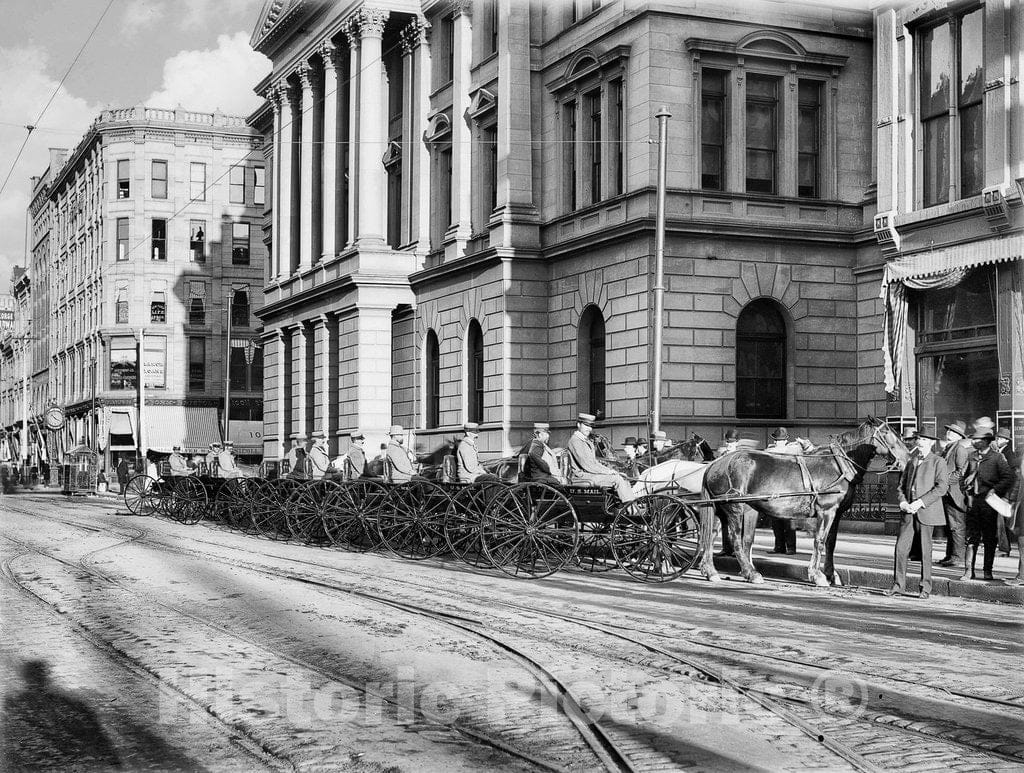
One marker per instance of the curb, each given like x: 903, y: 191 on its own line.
x: 880, y: 579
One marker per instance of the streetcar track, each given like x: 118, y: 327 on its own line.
x: 236, y: 736
x: 751, y: 693
x: 612, y: 759
x: 748, y: 653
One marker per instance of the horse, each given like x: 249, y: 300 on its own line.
x: 746, y: 483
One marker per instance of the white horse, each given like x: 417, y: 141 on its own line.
x: 674, y: 474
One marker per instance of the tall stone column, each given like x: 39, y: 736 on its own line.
x: 285, y: 210
x: 273, y: 384
x: 305, y: 108
x: 275, y: 244
x: 462, y: 140
x: 321, y: 369
x: 373, y: 133
x: 332, y: 83
x: 298, y: 385
x: 409, y: 38
x: 519, y: 224
x: 415, y: 36
x: 351, y: 165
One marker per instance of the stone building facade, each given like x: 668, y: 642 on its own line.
x: 946, y: 335
x: 154, y: 225
x: 493, y: 204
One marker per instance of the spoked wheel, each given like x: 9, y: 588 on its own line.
x: 228, y: 502
x: 462, y: 522
x: 188, y: 500
x: 351, y: 519
x: 141, y: 495
x: 261, y: 496
x: 595, y: 551
x: 270, y: 521
x: 530, y: 530
x: 412, y: 522
x: 306, y: 510
x: 656, y: 537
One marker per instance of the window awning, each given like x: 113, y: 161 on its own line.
x: 247, y: 437
x: 121, y: 430
x: 165, y: 427
x: 957, y: 256
x: 201, y: 427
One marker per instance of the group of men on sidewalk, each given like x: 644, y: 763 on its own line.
x: 959, y: 488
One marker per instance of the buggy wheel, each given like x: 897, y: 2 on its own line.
x: 306, y: 510
x: 463, y: 521
x: 656, y: 538
x: 261, y: 497
x: 595, y: 551
x: 530, y: 530
x: 226, y: 501
x: 141, y: 495
x: 189, y: 500
x: 351, y: 519
x: 412, y: 522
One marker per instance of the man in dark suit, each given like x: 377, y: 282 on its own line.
x: 989, y: 473
x: 541, y: 465
x: 957, y: 455
x: 922, y: 485
x: 1002, y: 445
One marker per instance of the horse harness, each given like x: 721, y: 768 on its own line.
x: 843, y: 463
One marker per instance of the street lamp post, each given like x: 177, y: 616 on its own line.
x: 659, y: 267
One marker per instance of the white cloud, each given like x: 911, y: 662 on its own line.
x: 24, y: 90
x: 141, y: 15
x: 220, y: 78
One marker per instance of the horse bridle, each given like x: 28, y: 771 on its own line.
x: 876, y: 434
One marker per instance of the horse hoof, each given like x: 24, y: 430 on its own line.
x: 837, y: 581
x: 714, y: 577
x: 756, y: 579
x: 820, y: 581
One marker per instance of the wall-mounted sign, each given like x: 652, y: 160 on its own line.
x: 6, y: 319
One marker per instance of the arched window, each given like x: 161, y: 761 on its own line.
x: 433, y: 401
x: 761, y: 361
x: 475, y: 373
x: 591, y: 361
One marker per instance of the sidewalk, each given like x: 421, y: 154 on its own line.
x: 866, y: 560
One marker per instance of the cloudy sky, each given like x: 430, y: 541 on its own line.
x: 159, y: 53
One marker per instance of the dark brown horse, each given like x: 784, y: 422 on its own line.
x: 746, y: 483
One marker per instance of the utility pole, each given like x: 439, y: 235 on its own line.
x: 659, y: 266
x: 141, y: 376
x: 227, y: 368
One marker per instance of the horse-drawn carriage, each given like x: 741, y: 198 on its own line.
x: 522, y: 528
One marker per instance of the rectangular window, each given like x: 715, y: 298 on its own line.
x: 196, y: 364
x: 154, y: 362
x: 121, y: 309
x: 712, y: 130
x: 240, y: 244
x: 122, y: 238
x: 493, y: 21
x: 762, y: 133
x: 569, y: 154
x: 969, y: 100
x: 443, y: 43
x: 240, y: 308
x: 197, y: 241
x: 616, y: 123
x: 259, y: 185
x: 394, y: 204
x: 489, y: 139
x: 239, y: 369
x: 809, y: 139
x: 124, y: 372
x: 196, y: 311
x: 236, y: 185
x: 443, y: 191
x: 197, y: 181
x: 124, y: 183
x: 593, y: 146
x: 159, y: 237
x: 159, y: 174
x: 936, y: 61
x: 158, y: 309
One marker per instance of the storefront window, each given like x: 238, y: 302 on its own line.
x: 957, y: 360
x: 123, y: 364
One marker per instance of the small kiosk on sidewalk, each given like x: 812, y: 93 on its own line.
x: 79, y: 469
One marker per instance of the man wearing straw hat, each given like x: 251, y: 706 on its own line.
x: 402, y: 470
x: 541, y: 463
x: 584, y: 462
x: 468, y: 459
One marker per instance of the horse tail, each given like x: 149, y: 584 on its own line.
x: 707, y: 516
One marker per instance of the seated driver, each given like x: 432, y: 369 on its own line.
x: 470, y: 469
x: 585, y: 466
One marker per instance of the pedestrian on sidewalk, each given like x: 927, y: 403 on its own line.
x: 1016, y: 527
x: 989, y: 473
x: 1002, y: 445
x: 957, y: 455
x: 921, y: 488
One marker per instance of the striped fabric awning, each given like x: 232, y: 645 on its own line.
x: 930, y: 270
x: 201, y: 428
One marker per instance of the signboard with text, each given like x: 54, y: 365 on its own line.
x: 154, y: 362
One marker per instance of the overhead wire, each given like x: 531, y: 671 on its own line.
x: 31, y: 127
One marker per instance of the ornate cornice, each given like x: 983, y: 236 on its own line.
x: 372, y: 21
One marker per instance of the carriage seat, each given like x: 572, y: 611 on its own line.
x: 521, y: 468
